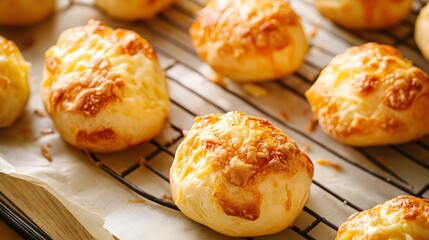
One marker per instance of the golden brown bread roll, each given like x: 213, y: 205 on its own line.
x: 404, y: 217
x: 25, y: 12
x: 364, y: 14
x: 371, y: 95
x: 104, y: 88
x: 249, y: 40
x: 133, y: 10
x: 240, y: 175
x: 421, y: 33
x: 14, y: 89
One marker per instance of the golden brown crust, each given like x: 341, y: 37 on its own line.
x: 251, y: 168
x: 90, y: 91
x: 133, y: 9
x: 270, y: 153
x: 404, y: 217
x: 25, y: 12
x: 252, y: 34
x: 364, y: 14
x: 95, y: 136
x: 263, y: 33
x: 371, y: 95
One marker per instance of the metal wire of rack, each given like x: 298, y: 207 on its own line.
x: 401, y: 39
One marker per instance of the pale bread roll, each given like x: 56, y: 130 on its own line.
x: 14, y: 88
x: 421, y: 31
x: 25, y: 12
x: 371, y: 95
x: 240, y: 175
x: 404, y: 217
x: 104, y: 88
x: 133, y: 10
x: 364, y: 14
x: 250, y: 40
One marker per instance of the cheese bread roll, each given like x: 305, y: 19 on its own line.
x: 404, y: 217
x: 240, y: 175
x: 14, y: 88
x: 25, y: 12
x: 371, y: 95
x: 421, y: 33
x: 104, y: 88
x: 364, y: 14
x: 132, y: 10
x: 250, y: 40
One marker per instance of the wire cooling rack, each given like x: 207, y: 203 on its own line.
x: 168, y: 33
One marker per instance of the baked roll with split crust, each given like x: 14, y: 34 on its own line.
x: 371, y: 95
x: 240, y: 175
x: 364, y: 14
x: 25, y: 12
x: 14, y: 89
x: 104, y: 88
x: 421, y: 34
x: 404, y: 217
x: 133, y: 10
x: 249, y: 40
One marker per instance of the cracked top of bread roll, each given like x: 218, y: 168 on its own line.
x: 104, y: 88
x: 404, y: 217
x: 421, y: 33
x: 249, y: 40
x: 364, y: 14
x: 14, y: 87
x: 133, y: 10
x: 25, y: 12
x: 240, y: 175
x: 371, y: 95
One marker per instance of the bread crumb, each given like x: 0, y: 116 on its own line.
x: 45, y: 153
x: 329, y: 163
x: 141, y: 160
x: 39, y: 113
x: 255, y: 90
x: 306, y: 147
x: 313, y: 32
x: 46, y: 131
x: 312, y: 124
x: 136, y: 201
x: 168, y: 198
x: 48, y: 145
x: 284, y: 116
x: 345, y: 202
x: 217, y: 78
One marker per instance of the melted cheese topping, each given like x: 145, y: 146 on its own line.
x: 249, y: 40
x: 104, y: 78
x: 240, y: 175
x: 402, y: 218
x: 371, y: 95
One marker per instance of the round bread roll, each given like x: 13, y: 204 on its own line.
x: 250, y: 40
x: 14, y: 89
x: 404, y: 217
x: 240, y: 175
x: 133, y: 10
x: 25, y: 12
x: 371, y: 95
x: 421, y: 33
x: 104, y: 88
x: 364, y: 14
